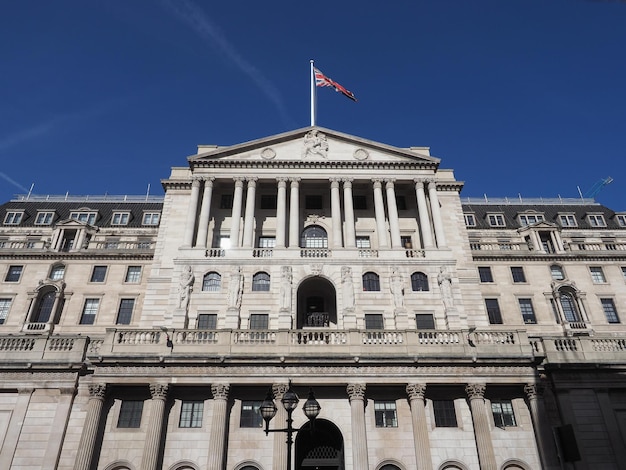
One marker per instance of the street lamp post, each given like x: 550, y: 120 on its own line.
x: 290, y: 401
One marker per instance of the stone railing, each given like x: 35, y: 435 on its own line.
x: 28, y: 348
x: 584, y: 349
x: 315, y: 253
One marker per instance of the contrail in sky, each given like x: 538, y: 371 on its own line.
x: 13, y: 182
x: 205, y: 28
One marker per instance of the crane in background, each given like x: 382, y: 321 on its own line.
x: 596, y: 188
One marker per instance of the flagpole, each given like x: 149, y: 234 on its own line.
x: 312, y: 95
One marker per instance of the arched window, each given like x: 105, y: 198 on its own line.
x: 568, y: 304
x: 57, y: 272
x: 419, y: 281
x: 557, y: 272
x: 43, y: 309
x: 371, y: 282
x: 212, y: 282
x: 390, y: 466
x: 314, y: 236
x: 261, y: 282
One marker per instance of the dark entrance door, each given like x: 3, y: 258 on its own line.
x: 320, y: 450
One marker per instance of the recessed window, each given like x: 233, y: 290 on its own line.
x: 401, y: 203
x: 57, y: 272
x: 44, y: 218
x: 624, y: 272
x: 125, y: 311
x: 212, y: 282
x: 597, y: 274
x: 363, y: 242
x: 13, y: 218
x: 530, y: 219
x: 98, y: 274
x: 90, y: 310
x: 371, y: 282
x: 259, y: 321
x: 609, y: 310
x: 206, y: 321
x: 419, y: 282
x: 226, y: 201
x: 120, y: 218
x: 569, y: 306
x: 151, y: 218
x: 191, y: 414
x: 313, y: 202
x: 224, y: 242
x: 359, y: 202
x: 496, y: 220
x: 268, y: 201
x: 261, y: 282
x: 374, y: 321
x: 133, y: 274
x: 5, y: 306
x: 528, y: 313
x: 267, y: 242
x: 518, y: 274
x: 621, y: 220
x: 85, y: 217
x: 485, y: 274
x: 503, y: 415
x: 425, y: 321
x: 445, y: 413
x: 250, y: 414
x: 470, y: 220
x: 493, y: 311
x: 568, y: 220
x: 14, y: 273
x: 130, y: 414
x: 314, y: 236
x: 386, y: 414
x: 557, y: 272
x: 596, y: 220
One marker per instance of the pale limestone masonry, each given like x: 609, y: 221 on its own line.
x: 437, y: 333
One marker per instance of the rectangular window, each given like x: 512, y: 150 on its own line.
x: 13, y: 218
x: 624, y: 272
x: 518, y: 274
x: 98, y: 274
x: 470, y: 220
x: 250, y: 414
x: 363, y: 242
x: 14, y: 273
x: 313, y: 202
x: 207, y: 321
x: 224, y: 242
x: 445, y: 413
x: 568, y: 220
x: 609, y: 310
x: 268, y: 201
x: 530, y: 219
x: 386, y: 414
x: 495, y: 220
x: 5, y: 305
x: 90, y: 309
x: 85, y: 217
x: 191, y: 414
x: 130, y: 414
x: 359, y: 202
x: 485, y: 274
x: 151, y: 218
x: 596, y: 220
x: 44, y: 218
x: 374, y: 321
x: 621, y: 220
x: 267, y: 242
x: 400, y: 203
x: 226, y: 201
x: 597, y: 275
x: 133, y: 274
x: 493, y: 311
x: 125, y: 312
x: 259, y: 321
x: 406, y: 241
x: 528, y: 312
x: 120, y: 218
x: 503, y: 415
x: 425, y: 321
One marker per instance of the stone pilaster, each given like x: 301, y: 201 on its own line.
x: 424, y: 218
x: 482, y: 431
x: 218, y: 426
x: 541, y: 427
x: 436, y: 212
x: 356, y: 394
x: 420, y: 427
x: 279, y: 461
x: 191, y: 213
x: 153, y: 436
x: 97, y: 393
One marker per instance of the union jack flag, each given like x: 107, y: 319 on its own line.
x: 323, y: 80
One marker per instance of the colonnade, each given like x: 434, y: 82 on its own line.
x: 356, y: 394
x: 429, y: 213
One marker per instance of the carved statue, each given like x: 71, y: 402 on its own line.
x: 397, y: 288
x: 315, y: 143
x: 285, y: 288
x: 444, y: 279
x: 185, y: 287
x: 235, y: 288
x: 347, y: 287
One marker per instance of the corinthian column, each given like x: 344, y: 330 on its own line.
x: 87, y: 444
x: 379, y: 209
x: 191, y: 212
x: 543, y: 438
x: 279, y: 461
x: 294, y: 213
x: 436, y: 212
x: 394, y: 224
x: 420, y: 427
x: 348, y: 208
x: 482, y: 432
x: 235, y: 219
x: 153, y: 438
x: 356, y: 394
x: 248, y: 223
x: 218, y: 426
x: 205, y: 212
x: 422, y: 210
x: 335, y: 208
x: 281, y: 212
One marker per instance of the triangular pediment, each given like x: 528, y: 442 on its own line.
x: 539, y: 226
x: 313, y: 144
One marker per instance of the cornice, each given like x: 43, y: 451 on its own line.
x: 578, y: 256
x: 88, y: 255
x: 317, y: 165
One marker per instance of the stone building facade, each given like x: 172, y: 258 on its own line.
x: 435, y: 332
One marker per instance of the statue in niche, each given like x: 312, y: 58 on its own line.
x: 235, y: 288
x: 315, y: 143
x: 185, y: 287
x: 397, y: 288
x: 285, y: 288
x: 347, y: 288
x: 445, y: 284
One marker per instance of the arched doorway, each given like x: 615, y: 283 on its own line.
x: 320, y: 450
x: 317, y: 303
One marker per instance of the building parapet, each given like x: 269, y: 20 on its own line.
x: 529, y: 200
x: 34, y: 348
x: 85, y: 198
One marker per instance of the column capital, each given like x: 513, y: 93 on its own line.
x: 195, y: 181
x: 416, y: 391
x: 378, y: 182
x: 475, y: 391
x: 220, y: 391
x: 208, y: 180
x: 356, y: 391
x: 282, y: 181
x: 238, y: 180
x: 334, y: 182
x: 389, y: 182
x: 419, y: 182
x: 97, y: 391
x: 294, y: 181
x: 252, y: 180
x: 279, y: 389
x: 159, y: 391
x: 533, y: 391
x: 430, y: 181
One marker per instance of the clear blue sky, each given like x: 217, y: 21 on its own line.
x: 517, y: 96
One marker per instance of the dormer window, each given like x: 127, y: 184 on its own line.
x: 13, y: 218
x: 470, y: 220
x: 150, y: 218
x: 621, y: 219
x: 84, y: 216
x: 596, y: 220
x: 44, y: 218
x: 120, y: 218
x: 530, y: 219
x: 496, y: 220
x: 568, y: 220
